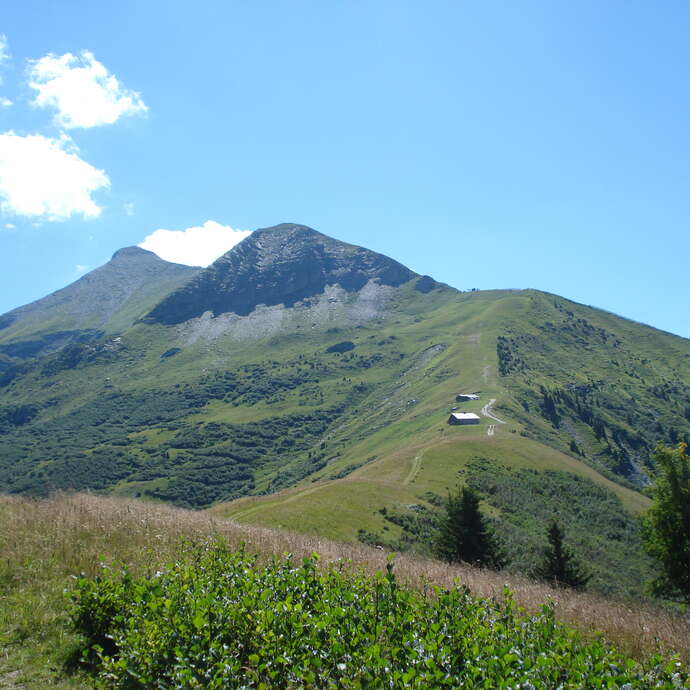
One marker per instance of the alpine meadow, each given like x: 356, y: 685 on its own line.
x: 188, y: 439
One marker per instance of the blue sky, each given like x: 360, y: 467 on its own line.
x: 488, y: 144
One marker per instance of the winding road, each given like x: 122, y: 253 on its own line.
x: 488, y: 412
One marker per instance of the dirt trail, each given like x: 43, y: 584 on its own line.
x: 414, y: 470
x: 487, y: 412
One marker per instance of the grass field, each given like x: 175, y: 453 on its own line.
x: 44, y: 543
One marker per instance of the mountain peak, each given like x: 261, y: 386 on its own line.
x: 108, y: 299
x: 286, y: 228
x: 128, y: 252
x: 283, y: 264
x: 145, y: 257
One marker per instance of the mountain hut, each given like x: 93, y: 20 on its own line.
x: 463, y: 418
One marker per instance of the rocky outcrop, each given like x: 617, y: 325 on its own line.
x: 284, y: 264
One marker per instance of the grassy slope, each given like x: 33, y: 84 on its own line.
x: 418, y: 452
x: 388, y: 446
x: 338, y: 508
x: 615, y: 387
x: 45, y: 543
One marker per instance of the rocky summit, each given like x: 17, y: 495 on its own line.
x: 283, y: 264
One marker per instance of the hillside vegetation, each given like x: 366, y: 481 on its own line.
x: 608, y: 387
x: 356, y: 432
x: 47, y: 542
x: 307, y: 387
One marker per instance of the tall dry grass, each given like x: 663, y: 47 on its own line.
x: 44, y: 542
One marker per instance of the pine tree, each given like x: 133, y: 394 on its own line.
x: 560, y: 565
x: 465, y: 534
x: 666, y: 526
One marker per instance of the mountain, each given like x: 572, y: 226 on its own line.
x: 107, y: 300
x: 305, y: 383
x: 285, y: 265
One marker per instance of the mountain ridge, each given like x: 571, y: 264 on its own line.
x: 108, y: 299
x: 282, y: 264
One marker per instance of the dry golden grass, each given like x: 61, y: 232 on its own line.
x: 44, y: 542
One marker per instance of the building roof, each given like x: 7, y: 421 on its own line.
x: 464, y: 415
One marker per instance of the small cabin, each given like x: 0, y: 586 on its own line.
x: 466, y: 397
x: 463, y: 418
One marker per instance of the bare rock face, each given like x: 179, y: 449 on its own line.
x: 280, y: 265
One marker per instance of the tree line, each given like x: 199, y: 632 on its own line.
x: 466, y: 535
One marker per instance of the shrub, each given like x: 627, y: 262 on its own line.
x: 217, y: 619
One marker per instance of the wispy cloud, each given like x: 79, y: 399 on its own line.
x: 4, y: 57
x: 44, y: 178
x: 4, y: 49
x: 5, y: 102
x: 129, y: 209
x: 81, y: 268
x: 81, y: 90
x: 195, y: 246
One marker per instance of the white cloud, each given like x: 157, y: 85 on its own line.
x: 44, y: 178
x: 5, y: 102
x: 198, y: 246
x: 80, y: 268
x: 9, y: 226
x: 129, y: 209
x: 82, y: 91
x: 4, y: 57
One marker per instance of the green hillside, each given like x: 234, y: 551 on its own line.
x: 330, y: 416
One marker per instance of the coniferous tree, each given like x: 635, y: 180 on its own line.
x: 666, y: 526
x: 465, y: 534
x: 560, y: 565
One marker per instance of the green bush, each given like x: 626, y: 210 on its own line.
x: 217, y: 619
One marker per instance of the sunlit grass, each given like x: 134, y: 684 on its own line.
x: 43, y: 543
